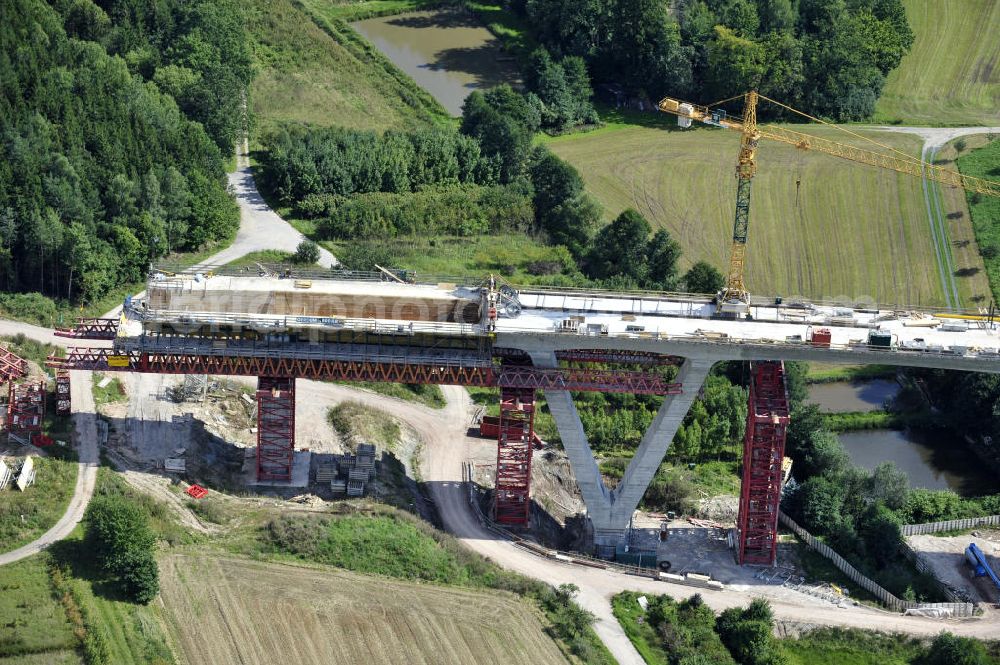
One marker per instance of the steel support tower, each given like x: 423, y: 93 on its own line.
x: 275, y: 428
x: 763, y: 452
x: 512, y: 505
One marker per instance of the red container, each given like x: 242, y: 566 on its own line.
x: 820, y: 337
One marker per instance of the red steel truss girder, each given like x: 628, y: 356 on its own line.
x: 11, y: 366
x: 275, y: 428
x: 90, y: 328
x: 764, y: 449
x: 600, y: 380
x: 514, y: 447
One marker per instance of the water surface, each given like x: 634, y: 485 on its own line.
x: 930, y: 460
x: 842, y: 396
x: 448, y: 52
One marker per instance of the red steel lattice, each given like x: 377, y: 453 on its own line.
x: 601, y: 380
x: 514, y: 446
x: 275, y: 428
x: 64, y: 404
x: 763, y: 451
x: 90, y: 329
x: 11, y: 366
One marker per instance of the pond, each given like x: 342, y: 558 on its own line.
x: 843, y: 396
x: 448, y: 52
x: 929, y: 462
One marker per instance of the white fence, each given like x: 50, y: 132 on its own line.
x: 950, y: 525
x: 869, y: 585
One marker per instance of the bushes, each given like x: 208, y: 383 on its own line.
x: 300, y: 161
x: 118, y: 533
x: 461, y: 210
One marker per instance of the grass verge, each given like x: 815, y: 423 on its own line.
x: 35, y: 628
x: 113, y: 391
x: 832, y: 373
x: 26, y: 515
x: 428, y: 395
x: 363, y: 424
x: 985, y: 210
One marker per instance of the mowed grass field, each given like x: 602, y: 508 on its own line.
x: 951, y: 75
x: 226, y: 610
x: 306, y: 75
x: 850, y: 231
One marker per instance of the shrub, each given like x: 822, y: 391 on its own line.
x: 307, y: 253
x: 119, y: 535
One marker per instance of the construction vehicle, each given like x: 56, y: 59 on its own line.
x: 980, y: 566
x: 734, y: 299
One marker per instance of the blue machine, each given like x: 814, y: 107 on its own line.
x: 977, y: 559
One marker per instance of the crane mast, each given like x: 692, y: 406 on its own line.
x: 734, y: 298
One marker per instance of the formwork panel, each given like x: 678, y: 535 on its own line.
x: 763, y: 452
x: 275, y: 428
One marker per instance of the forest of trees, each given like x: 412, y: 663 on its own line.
x: 115, y: 117
x: 827, y: 57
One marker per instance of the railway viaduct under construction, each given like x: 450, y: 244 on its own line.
x: 280, y: 326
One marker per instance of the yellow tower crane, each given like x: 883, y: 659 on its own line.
x: 734, y: 300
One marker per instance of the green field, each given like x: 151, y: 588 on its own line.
x: 26, y: 515
x: 517, y: 257
x: 855, y: 231
x: 951, y: 75
x: 984, y: 162
x: 326, y: 74
x: 34, y: 626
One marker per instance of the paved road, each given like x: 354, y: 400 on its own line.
x: 85, y: 434
x: 260, y: 227
x: 934, y: 139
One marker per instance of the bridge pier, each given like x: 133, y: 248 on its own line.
x: 611, y: 510
x: 275, y: 428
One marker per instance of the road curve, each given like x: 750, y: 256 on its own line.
x: 260, y: 227
x: 446, y: 447
x: 85, y: 422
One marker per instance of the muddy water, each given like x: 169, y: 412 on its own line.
x: 929, y: 462
x: 844, y: 396
x: 447, y: 52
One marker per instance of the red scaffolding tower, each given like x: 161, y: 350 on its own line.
x: 275, y: 428
x: 64, y: 404
x: 25, y: 410
x: 514, y: 446
x: 763, y: 452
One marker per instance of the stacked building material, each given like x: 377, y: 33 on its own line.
x: 349, y: 473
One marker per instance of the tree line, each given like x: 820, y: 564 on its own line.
x: 827, y: 57
x: 105, y: 167
x: 485, y: 177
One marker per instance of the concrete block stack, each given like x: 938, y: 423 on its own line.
x: 349, y: 474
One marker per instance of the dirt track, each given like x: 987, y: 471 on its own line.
x: 85, y: 436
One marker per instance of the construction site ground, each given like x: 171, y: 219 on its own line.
x: 946, y: 556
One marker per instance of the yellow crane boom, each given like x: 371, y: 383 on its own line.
x: 734, y: 298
